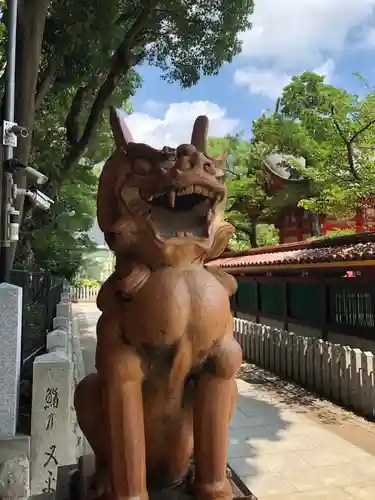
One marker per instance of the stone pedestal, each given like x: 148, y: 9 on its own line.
x: 73, y: 482
x: 52, y: 443
x: 10, y: 356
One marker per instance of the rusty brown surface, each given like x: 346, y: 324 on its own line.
x: 166, y: 358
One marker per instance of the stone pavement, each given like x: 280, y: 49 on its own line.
x: 277, y: 451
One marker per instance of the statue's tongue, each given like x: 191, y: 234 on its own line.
x: 169, y: 223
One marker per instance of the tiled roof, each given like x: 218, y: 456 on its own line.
x: 302, y: 254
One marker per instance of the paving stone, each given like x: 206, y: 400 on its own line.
x: 330, y: 494
x: 361, y: 492
x: 330, y: 476
x: 269, y: 485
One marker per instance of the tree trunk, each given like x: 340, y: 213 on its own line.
x: 30, y: 28
x: 315, y: 226
x: 253, y: 235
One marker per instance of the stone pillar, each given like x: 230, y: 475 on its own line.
x: 61, y: 322
x: 64, y: 310
x: 57, y: 341
x: 52, y: 443
x: 65, y: 297
x: 10, y: 356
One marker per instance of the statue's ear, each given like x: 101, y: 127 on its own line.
x: 200, y: 134
x: 120, y: 131
x: 221, y: 240
x: 220, y: 162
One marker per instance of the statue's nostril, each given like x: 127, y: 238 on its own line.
x: 185, y: 150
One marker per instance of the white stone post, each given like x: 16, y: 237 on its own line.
x: 10, y: 356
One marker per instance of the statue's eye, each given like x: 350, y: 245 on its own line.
x: 209, y: 168
x: 141, y: 166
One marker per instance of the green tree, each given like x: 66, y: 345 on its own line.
x: 76, y: 58
x: 250, y: 209
x: 334, y: 131
x: 90, y: 49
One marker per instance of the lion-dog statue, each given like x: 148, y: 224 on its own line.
x: 166, y: 359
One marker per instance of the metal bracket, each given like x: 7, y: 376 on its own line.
x: 9, y: 137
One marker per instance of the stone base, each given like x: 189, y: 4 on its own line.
x: 73, y: 481
x: 14, y: 467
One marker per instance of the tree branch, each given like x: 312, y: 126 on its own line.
x: 243, y: 229
x: 71, y: 122
x: 121, y: 61
x: 251, y: 232
x: 44, y: 84
x: 348, y: 145
x: 360, y: 131
x: 232, y: 172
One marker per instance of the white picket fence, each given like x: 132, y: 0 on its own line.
x: 340, y: 373
x: 83, y: 293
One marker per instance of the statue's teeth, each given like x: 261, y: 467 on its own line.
x: 189, y: 190
x: 172, y: 197
x: 216, y: 202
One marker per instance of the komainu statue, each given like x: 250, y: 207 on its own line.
x: 166, y: 359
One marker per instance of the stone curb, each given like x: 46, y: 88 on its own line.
x: 79, y: 370
x: 77, y: 351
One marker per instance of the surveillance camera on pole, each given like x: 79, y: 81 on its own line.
x: 37, y: 198
x: 11, y: 132
x: 37, y: 176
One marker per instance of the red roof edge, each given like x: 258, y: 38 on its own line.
x: 336, y: 241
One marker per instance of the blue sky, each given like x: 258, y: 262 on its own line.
x: 332, y: 37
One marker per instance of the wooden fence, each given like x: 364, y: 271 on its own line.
x: 83, y: 293
x: 340, y: 373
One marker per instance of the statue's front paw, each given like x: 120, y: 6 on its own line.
x: 111, y: 496
x: 99, y: 485
x: 214, y: 491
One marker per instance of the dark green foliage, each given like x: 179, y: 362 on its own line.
x: 86, y: 58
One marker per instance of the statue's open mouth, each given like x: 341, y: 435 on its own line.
x: 184, y: 212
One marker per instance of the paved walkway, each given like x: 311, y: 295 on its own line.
x: 278, y: 452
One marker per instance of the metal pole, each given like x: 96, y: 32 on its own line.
x: 7, y: 179
x: 11, y: 69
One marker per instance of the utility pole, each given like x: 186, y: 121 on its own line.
x: 11, y: 131
x: 8, y: 142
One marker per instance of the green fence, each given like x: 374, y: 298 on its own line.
x: 345, y: 304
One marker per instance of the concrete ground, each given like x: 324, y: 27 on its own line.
x: 278, y: 449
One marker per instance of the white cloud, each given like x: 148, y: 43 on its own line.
x: 176, y: 125
x: 326, y: 70
x: 266, y: 82
x: 299, y: 32
x: 367, y: 39
x: 292, y: 36
x: 270, y: 82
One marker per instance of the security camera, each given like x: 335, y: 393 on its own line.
x: 40, y: 200
x: 37, y: 176
x: 37, y: 198
x: 11, y: 132
x: 19, y: 131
